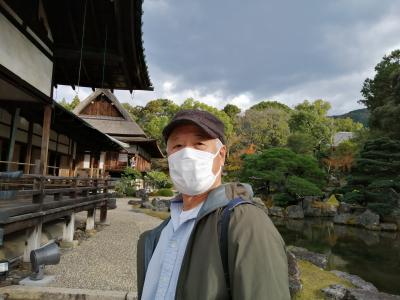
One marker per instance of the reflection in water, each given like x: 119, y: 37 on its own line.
x: 372, y: 255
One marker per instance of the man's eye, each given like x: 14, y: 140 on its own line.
x: 176, y: 146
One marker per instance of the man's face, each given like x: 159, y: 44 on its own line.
x: 189, y: 135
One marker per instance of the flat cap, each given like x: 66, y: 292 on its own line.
x: 205, y: 120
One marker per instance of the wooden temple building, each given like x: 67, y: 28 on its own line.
x: 50, y: 159
x: 104, y: 112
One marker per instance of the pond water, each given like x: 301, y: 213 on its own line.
x: 374, y: 256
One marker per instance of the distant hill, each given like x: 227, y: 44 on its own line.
x: 358, y: 115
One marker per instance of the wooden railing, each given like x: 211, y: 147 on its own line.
x: 39, y: 186
x: 48, y: 192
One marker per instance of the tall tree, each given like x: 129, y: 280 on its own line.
x: 264, y: 128
x: 271, y: 104
x: 347, y: 124
x: 375, y: 179
x: 283, y: 172
x: 155, y: 115
x: 70, y: 105
x: 382, y: 95
x: 134, y: 111
x: 311, y: 118
x: 231, y: 110
x: 159, y: 107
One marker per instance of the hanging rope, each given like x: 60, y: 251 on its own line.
x: 104, y: 58
x: 83, y: 38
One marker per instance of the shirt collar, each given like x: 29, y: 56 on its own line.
x: 176, y: 209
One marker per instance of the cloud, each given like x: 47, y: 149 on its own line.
x: 230, y: 51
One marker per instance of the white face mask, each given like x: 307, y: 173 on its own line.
x: 191, y: 170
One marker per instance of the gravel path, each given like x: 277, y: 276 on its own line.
x: 106, y: 261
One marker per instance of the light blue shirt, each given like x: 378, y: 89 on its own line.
x: 165, y: 264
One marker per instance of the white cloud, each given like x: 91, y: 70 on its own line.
x: 189, y: 58
x: 342, y: 92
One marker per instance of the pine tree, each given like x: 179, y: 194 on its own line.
x: 375, y: 179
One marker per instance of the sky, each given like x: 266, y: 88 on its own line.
x: 244, y: 52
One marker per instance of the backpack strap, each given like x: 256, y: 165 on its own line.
x: 223, y: 237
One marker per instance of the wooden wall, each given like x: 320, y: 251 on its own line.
x: 101, y: 107
x: 29, y: 137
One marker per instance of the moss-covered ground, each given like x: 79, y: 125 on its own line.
x: 314, y: 279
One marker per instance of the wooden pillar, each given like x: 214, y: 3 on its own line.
x: 69, y: 229
x: 91, y: 216
x: 13, y: 134
x: 91, y: 164
x: 32, y: 241
x: 72, y: 159
x: 45, y: 139
x: 56, y: 172
x: 28, y: 155
x: 103, y: 214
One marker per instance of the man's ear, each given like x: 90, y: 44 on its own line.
x: 222, y: 154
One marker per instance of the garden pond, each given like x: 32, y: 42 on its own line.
x: 372, y: 255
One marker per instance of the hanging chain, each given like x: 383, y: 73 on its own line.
x: 81, y: 54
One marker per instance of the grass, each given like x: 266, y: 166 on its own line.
x: 314, y: 279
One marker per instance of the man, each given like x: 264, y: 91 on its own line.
x: 181, y: 258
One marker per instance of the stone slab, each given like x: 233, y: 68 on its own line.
x: 19, y: 292
x: 47, y: 279
x: 69, y: 244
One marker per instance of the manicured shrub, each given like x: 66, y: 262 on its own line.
x: 165, y: 192
x: 282, y: 199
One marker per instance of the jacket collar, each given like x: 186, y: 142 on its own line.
x: 217, y: 198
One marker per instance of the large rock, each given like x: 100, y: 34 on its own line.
x: 342, y: 218
x: 307, y: 202
x: 359, y: 294
x: 388, y: 227
x: 355, y: 280
x: 339, y: 292
x: 161, y: 204
x: 320, y: 260
x: 368, y: 218
x: 276, y: 211
x: 328, y: 210
x: 312, y: 212
x: 142, y: 194
x: 134, y: 202
x: 344, y: 208
x: 394, y: 217
x: 295, y: 212
x: 335, y: 292
x: 295, y: 285
x: 147, y: 205
x: 309, y: 209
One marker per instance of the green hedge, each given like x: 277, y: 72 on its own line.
x: 282, y: 199
x: 165, y: 192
